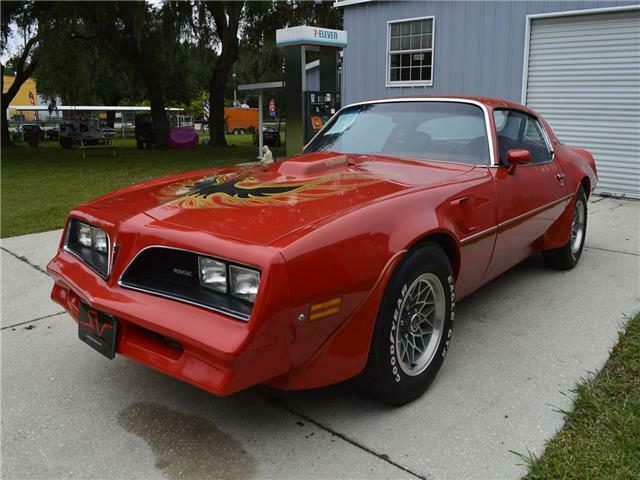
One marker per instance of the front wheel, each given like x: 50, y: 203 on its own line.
x: 567, y: 256
x: 413, y: 328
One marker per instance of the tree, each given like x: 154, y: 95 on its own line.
x: 144, y: 37
x: 215, y: 24
x: 83, y: 72
x: 22, y: 16
x: 260, y: 59
x: 107, y: 51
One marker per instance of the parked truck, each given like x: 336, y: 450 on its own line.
x: 241, y: 120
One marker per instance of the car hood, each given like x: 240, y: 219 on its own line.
x: 258, y: 204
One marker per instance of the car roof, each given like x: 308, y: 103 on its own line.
x: 486, y: 101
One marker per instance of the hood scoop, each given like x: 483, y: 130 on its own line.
x: 312, y: 164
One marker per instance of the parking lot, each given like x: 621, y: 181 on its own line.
x: 520, y: 343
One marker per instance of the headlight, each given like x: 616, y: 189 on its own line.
x: 90, y: 244
x: 213, y: 274
x: 84, y: 234
x: 99, y: 240
x: 244, y: 282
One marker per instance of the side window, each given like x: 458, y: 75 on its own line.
x: 518, y: 130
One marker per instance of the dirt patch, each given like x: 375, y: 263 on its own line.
x: 187, y: 446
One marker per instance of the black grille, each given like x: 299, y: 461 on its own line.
x: 174, y: 273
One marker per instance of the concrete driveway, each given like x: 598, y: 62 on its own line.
x: 520, y: 343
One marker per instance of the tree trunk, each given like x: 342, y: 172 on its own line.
x: 23, y: 72
x: 4, y: 132
x: 158, y: 115
x: 6, y: 139
x: 217, y: 124
x: 227, y: 18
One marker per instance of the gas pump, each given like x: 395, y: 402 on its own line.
x: 308, y: 111
x: 319, y: 107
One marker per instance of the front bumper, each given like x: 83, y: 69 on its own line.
x: 209, y: 350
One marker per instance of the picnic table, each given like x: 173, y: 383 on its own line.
x: 84, y: 144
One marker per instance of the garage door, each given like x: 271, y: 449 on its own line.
x: 584, y: 78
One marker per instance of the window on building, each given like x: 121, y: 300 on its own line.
x: 519, y: 130
x: 410, y: 52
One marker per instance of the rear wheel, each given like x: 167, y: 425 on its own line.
x: 567, y: 256
x: 413, y: 328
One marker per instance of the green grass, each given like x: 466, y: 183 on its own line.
x: 40, y: 185
x: 601, y: 436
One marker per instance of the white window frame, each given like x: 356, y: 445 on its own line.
x: 410, y: 83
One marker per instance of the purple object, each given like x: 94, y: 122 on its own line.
x: 183, y: 138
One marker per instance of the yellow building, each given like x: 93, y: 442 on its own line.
x: 22, y: 97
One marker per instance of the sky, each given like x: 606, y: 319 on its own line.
x: 14, y: 44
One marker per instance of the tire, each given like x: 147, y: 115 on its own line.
x: 235, y: 131
x: 391, y: 376
x: 568, y: 256
x: 241, y: 131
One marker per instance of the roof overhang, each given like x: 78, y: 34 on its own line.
x: 260, y: 86
x: 308, y: 35
x: 346, y: 3
x: 88, y: 108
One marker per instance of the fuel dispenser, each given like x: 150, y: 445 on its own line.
x: 319, y: 107
x: 308, y: 110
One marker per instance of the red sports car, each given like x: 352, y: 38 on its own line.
x: 344, y: 261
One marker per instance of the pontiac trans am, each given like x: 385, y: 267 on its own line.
x: 344, y: 261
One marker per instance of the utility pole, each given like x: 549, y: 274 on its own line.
x: 235, y: 85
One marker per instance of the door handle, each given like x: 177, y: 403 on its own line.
x: 560, y: 177
x: 458, y: 214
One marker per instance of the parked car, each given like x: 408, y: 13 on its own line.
x: 86, y: 130
x: 270, y: 136
x: 345, y: 261
x: 144, y: 132
x: 23, y: 130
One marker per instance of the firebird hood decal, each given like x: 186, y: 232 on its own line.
x: 259, y: 205
x: 219, y: 191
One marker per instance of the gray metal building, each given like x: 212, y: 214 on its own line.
x: 575, y: 62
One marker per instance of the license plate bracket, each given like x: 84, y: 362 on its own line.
x: 98, y: 330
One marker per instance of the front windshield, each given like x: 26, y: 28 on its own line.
x: 445, y: 131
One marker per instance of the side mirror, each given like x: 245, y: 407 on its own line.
x: 517, y: 156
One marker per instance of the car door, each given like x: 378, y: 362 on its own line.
x: 531, y: 197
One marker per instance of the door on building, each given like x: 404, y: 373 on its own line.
x: 583, y: 76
